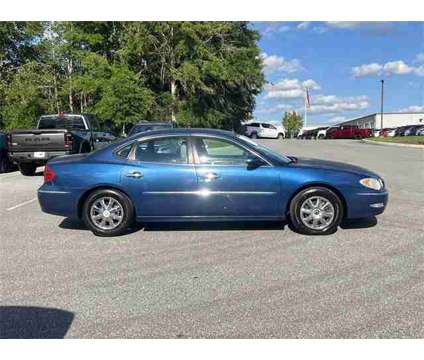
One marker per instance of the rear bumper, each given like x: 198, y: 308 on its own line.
x: 28, y: 156
x: 57, y: 201
x: 366, y: 204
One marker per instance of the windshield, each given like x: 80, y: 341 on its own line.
x: 62, y: 122
x: 265, y: 150
x: 146, y: 127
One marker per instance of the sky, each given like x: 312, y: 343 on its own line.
x: 341, y: 63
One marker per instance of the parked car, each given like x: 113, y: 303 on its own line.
x: 205, y: 174
x: 411, y: 130
x: 349, y: 132
x: 264, y: 130
x: 305, y: 134
x: 55, y: 135
x: 387, y: 132
x: 420, y: 131
x: 400, y: 131
x: 143, y: 126
x: 376, y: 132
x: 6, y: 163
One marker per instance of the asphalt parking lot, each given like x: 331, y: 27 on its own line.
x: 223, y: 281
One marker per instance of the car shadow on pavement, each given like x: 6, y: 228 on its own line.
x: 359, y: 223
x: 27, y: 322
x: 72, y: 224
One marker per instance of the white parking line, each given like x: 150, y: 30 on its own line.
x: 21, y: 204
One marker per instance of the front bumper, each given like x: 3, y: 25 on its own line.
x: 366, y: 204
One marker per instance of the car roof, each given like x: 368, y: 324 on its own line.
x: 144, y: 122
x: 184, y: 132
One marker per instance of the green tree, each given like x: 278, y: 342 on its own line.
x: 198, y: 73
x: 292, y: 122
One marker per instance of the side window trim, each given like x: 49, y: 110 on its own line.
x: 196, y: 159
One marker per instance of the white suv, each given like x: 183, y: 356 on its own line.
x: 265, y: 130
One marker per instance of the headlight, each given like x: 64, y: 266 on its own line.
x: 372, y: 183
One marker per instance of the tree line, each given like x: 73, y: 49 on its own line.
x: 204, y: 74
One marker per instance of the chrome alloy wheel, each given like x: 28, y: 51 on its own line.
x: 316, y: 212
x: 106, y: 213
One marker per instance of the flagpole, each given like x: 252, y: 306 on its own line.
x: 305, y: 113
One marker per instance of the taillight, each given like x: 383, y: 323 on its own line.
x: 49, y: 174
x: 68, y: 140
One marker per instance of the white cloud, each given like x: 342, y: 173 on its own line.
x: 413, y: 108
x: 367, y: 70
x: 328, y: 104
x: 275, y: 109
x: 275, y: 63
x: 303, y: 25
x: 336, y: 119
x: 376, y: 27
x: 289, y: 89
x: 398, y: 67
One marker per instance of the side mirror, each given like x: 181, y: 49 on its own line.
x: 253, y: 162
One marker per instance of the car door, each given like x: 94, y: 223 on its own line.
x: 161, y: 178
x: 229, y: 188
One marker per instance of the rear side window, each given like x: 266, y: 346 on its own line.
x: 173, y: 150
x: 253, y: 125
x: 62, y: 122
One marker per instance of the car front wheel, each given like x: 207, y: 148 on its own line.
x: 316, y: 211
x: 108, y: 212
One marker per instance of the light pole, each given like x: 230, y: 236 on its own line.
x: 382, y: 103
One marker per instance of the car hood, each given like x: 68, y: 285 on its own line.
x: 333, y: 165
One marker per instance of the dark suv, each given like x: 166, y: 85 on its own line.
x: 143, y: 126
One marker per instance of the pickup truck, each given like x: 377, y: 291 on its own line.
x: 55, y: 135
x: 348, y: 132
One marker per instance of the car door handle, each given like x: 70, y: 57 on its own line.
x: 210, y: 176
x: 134, y: 174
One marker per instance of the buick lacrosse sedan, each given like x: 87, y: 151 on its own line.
x: 205, y: 175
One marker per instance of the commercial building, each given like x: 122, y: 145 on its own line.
x: 390, y: 120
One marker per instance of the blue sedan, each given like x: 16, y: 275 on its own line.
x: 205, y: 175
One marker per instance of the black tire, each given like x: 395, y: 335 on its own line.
x: 308, y: 193
x: 280, y: 136
x: 27, y: 169
x: 122, y: 199
x: 254, y: 135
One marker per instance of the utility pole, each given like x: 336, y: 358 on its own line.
x: 382, y: 103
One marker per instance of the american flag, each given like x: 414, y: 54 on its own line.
x: 308, y: 101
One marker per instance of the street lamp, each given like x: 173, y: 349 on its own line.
x: 382, y: 102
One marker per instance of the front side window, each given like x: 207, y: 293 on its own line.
x: 162, y: 150
x: 220, y: 152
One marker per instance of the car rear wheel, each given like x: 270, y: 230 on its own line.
x: 27, y: 169
x: 108, y: 212
x: 316, y: 211
x: 254, y: 136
